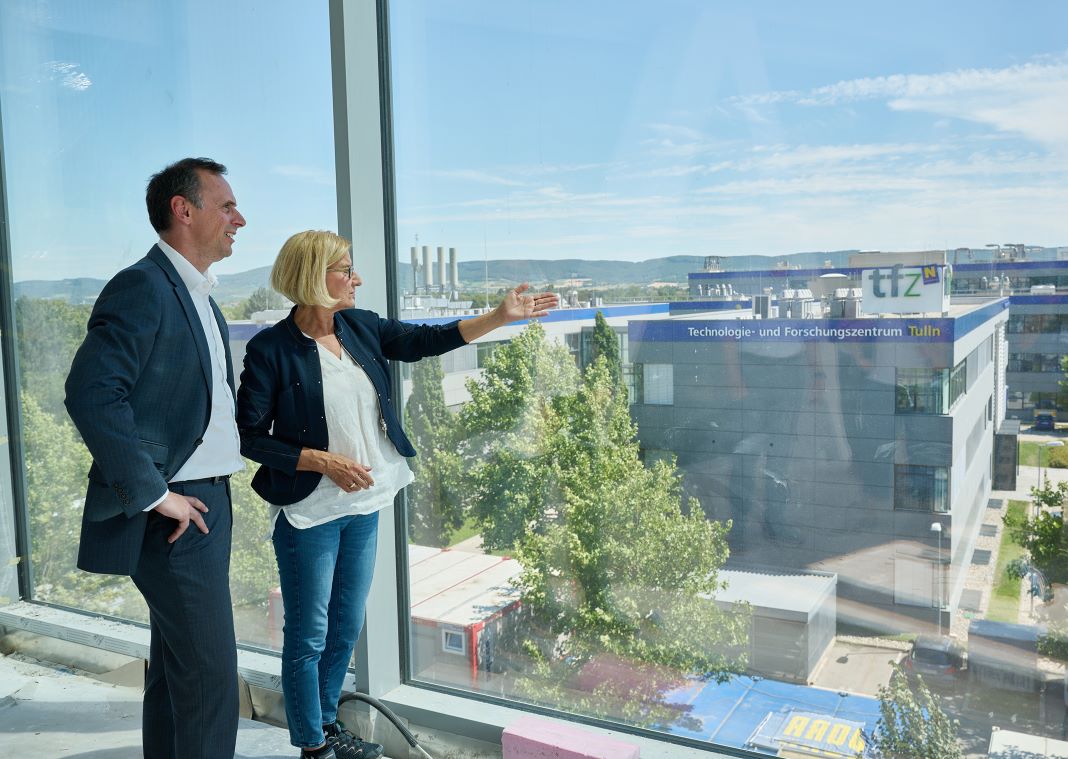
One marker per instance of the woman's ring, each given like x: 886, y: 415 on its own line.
x: 352, y: 484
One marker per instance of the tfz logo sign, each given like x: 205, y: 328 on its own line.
x: 907, y: 284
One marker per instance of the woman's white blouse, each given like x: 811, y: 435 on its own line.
x: 353, y: 421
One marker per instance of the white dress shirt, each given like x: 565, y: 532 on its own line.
x: 220, y: 453
x: 352, y: 423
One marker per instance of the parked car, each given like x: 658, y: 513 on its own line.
x: 935, y: 658
x: 1044, y: 422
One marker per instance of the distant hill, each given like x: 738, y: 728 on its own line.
x: 232, y: 287
x: 501, y: 273
x: 602, y: 272
x: 79, y: 290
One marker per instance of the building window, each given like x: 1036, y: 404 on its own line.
x: 921, y: 488
x: 485, y: 350
x: 658, y: 384
x: 462, y: 359
x: 1035, y: 362
x: 1038, y: 323
x: 920, y: 391
x: 453, y: 642
x: 632, y: 379
x: 958, y: 383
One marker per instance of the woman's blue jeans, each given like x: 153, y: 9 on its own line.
x: 326, y: 573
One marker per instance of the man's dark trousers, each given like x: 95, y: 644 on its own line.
x: 186, y: 585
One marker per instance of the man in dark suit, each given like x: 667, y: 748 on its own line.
x: 151, y: 391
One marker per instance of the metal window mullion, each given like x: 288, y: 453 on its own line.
x: 364, y: 177
x: 11, y: 409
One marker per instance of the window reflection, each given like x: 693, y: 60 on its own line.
x: 90, y: 110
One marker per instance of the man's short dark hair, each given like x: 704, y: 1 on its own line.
x: 180, y: 178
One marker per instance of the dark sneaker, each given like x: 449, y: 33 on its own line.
x: 348, y: 745
x: 326, y: 753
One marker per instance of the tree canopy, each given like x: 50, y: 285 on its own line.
x: 435, y: 507
x: 502, y: 435
x: 1046, y: 535
x: 912, y: 724
x: 615, y: 563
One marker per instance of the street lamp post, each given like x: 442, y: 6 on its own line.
x: 937, y: 527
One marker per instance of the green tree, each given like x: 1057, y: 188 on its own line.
x: 618, y: 570
x: 912, y: 724
x: 502, y: 451
x: 618, y: 578
x: 1046, y: 536
x: 55, y: 466
x: 435, y: 509
x: 233, y: 311
x: 253, y: 569
x: 262, y: 299
x: 48, y: 333
x: 606, y: 344
x: 616, y: 565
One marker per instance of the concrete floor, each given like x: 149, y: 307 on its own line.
x: 48, y: 711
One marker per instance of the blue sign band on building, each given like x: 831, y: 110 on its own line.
x: 795, y: 330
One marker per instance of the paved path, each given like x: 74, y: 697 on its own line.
x: 981, y: 576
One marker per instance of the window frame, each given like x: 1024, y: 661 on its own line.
x: 17, y: 575
x: 939, y: 489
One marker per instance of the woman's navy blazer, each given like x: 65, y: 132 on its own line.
x: 280, y: 407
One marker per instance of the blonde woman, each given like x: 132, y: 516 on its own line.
x: 316, y: 410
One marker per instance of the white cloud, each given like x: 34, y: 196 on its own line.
x: 1029, y: 99
x: 787, y: 157
x: 538, y: 170
x: 475, y: 175
x: 311, y: 174
x: 68, y: 75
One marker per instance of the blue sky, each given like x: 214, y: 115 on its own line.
x: 594, y: 130
x: 631, y: 130
x: 97, y: 96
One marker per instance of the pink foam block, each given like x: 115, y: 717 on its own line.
x: 533, y: 738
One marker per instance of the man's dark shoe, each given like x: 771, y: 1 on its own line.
x: 348, y: 745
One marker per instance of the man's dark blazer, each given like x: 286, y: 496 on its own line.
x: 139, y: 392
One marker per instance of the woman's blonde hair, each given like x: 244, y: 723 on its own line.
x: 299, y: 272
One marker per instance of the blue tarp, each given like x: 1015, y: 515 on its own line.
x: 731, y: 713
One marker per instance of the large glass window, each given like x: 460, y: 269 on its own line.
x: 1035, y: 362
x: 921, y: 391
x: 695, y: 522
x: 1038, y: 323
x: 95, y: 98
x: 658, y: 384
x: 627, y: 155
x: 921, y: 488
x: 958, y: 383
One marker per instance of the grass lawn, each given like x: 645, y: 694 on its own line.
x: 467, y: 530
x: 1005, y: 599
x: 1029, y: 453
